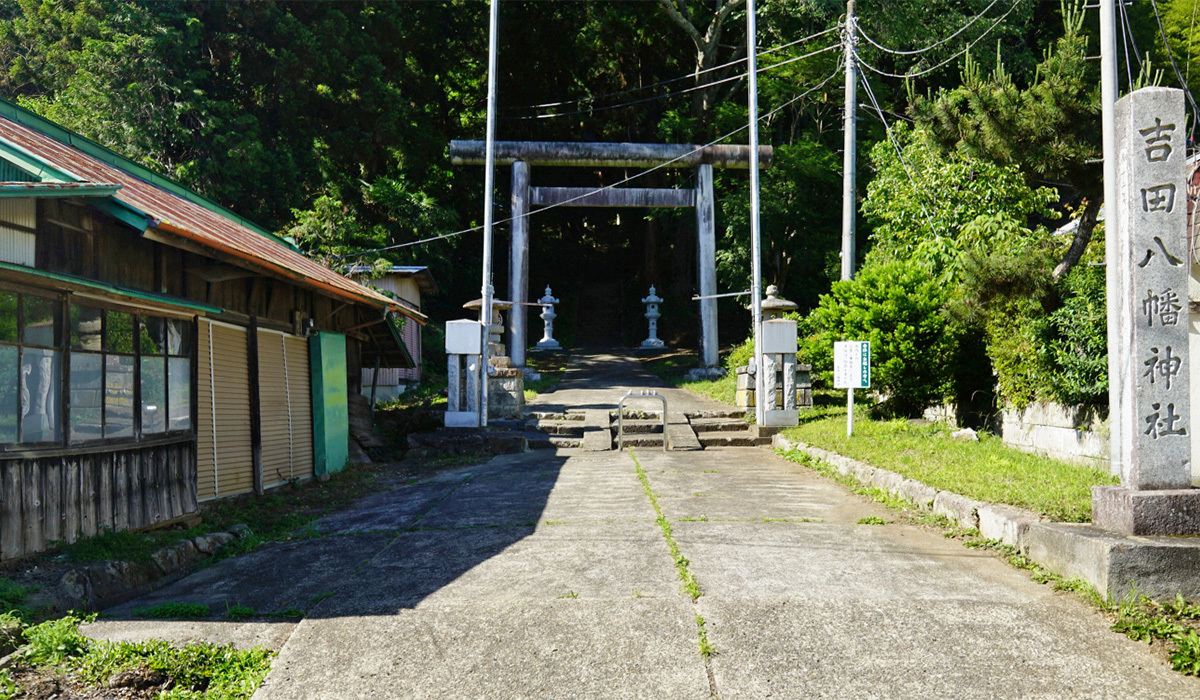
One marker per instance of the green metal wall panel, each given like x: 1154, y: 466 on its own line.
x: 330, y: 402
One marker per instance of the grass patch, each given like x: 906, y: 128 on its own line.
x: 237, y: 611
x: 873, y: 520
x: 173, y: 611
x: 572, y: 595
x: 1175, y: 624
x: 986, y: 470
x: 193, y: 671
x: 12, y: 599
x: 550, y: 366
x: 673, y: 370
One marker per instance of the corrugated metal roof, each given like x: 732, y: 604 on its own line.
x: 177, y: 215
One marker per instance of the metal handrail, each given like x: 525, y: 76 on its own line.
x: 639, y: 394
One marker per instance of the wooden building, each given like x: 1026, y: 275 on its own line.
x: 157, y: 350
x: 406, y: 284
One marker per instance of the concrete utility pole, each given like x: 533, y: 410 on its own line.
x: 851, y: 148
x: 755, y: 243
x: 849, y: 173
x: 485, y: 313
x: 1116, y: 271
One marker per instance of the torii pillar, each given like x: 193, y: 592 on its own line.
x: 522, y: 154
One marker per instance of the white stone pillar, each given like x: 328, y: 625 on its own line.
x: 706, y: 268
x: 518, y: 263
x: 1150, y: 392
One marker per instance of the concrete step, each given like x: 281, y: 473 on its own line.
x: 543, y: 415
x: 729, y: 439
x: 571, y: 428
x: 718, y: 425
x: 547, y: 442
x: 647, y: 440
x: 640, y: 427
x: 719, y: 413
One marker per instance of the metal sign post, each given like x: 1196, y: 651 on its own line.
x: 851, y: 370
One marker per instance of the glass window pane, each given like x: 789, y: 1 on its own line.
x: 181, y: 393
x: 8, y: 317
x: 8, y: 393
x: 86, y: 404
x: 150, y: 335
x: 118, y: 396
x: 119, y: 332
x: 40, y: 320
x: 179, y: 337
x: 85, y: 328
x: 154, y: 395
x: 41, y: 377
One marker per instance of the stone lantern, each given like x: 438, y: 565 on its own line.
x: 652, y: 314
x: 548, y: 342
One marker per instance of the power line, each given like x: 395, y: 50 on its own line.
x: 1171, y: 54
x: 641, y: 173
x: 948, y: 60
x: 907, y: 166
x: 961, y: 29
x: 640, y: 88
x: 694, y: 88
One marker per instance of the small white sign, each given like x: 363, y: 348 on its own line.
x: 852, y: 364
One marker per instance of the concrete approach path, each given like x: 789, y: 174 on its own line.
x: 545, y: 575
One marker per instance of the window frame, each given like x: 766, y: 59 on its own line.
x: 65, y: 443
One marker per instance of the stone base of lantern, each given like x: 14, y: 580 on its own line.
x: 699, y: 374
x: 1130, y: 512
x: 548, y: 345
x: 652, y: 344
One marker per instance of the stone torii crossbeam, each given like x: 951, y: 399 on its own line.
x: 521, y: 155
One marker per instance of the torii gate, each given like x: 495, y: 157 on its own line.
x: 523, y: 154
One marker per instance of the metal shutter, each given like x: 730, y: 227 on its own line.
x: 300, y: 403
x: 283, y: 386
x: 225, y: 465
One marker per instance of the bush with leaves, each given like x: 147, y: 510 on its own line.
x: 897, y: 306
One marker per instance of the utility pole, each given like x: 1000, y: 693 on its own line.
x: 755, y: 233
x: 1115, y: 268
x: 850, y: 153
x: 485, y: 312
x: 849, y: 168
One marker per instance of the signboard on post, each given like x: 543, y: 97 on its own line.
x: 851, y: 370
x: 852, y: 364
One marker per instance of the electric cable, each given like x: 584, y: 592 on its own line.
x: 915, y: 52
x: 647, y: 171
x: 1178, y: 75
x: 931, y: 69
x: 894, y: 141
x: 694, y: 88
x: 597, y: 98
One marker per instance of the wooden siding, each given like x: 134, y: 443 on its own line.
x: 225, y: 465
x: 64, y: 498
x: 286, y: 407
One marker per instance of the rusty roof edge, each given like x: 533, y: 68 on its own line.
x: 23, y: 116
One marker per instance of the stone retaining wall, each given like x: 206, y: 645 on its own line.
x: 1070, y: 433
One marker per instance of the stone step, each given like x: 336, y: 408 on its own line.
x: 559, y: 427
x: 547, y: 442
x: 719, y: 413
x: 728, y: 439
x: 647, y: 440
x: 543, y: 415
x: 719, y: 425
x: 639, y: 427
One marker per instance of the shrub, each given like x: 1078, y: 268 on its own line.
x: 898, y: 307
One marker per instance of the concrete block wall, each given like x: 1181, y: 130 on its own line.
x: 1072, y: 434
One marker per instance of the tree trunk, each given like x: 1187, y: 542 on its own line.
x: 1083, y: 236
x: 707, y: 44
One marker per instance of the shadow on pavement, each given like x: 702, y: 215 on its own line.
x: 389, y: 551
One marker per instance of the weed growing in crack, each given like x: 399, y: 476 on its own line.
x: 873, y: 520
x: 172, y: 611
x: 237, y: 611
x: 569, y: 594
x: 690, y: 586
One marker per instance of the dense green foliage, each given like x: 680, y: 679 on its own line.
x: 329, y: 122
x: 897, y: 306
